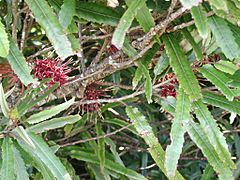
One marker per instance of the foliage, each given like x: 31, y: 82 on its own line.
x: 119, y: 89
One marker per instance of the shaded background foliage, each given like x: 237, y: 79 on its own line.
x: 107, y: 89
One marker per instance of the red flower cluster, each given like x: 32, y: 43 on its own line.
x: 92, y: 93
x: 169, y: 89
x: 51, y: 68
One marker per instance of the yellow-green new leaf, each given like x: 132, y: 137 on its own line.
x: 125, y: 22
x: 200, y: 19
x: 226, y: 66
x: 182, y: 116
x: 4, y: 43
x: 224, y: 37
x: 145, y: 131
x: 8, y: 162
x: 196, y: 132
x: 19, y: 64
x: 46, y: 114
x: 213, y: 133
x: 48, y: 20
x: 219, y: 79
x: 182, y: 68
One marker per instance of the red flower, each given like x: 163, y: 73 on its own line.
x: 92, y: 93
x: 169, y: 89
x: 51, y: 68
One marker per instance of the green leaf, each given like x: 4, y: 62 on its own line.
x: 200, y: 19
x: 181, y: 67
x: 22, y: 134
x: 145, y: 131
x: 161, y: 65
x: 226, y: 66
x: 100, y: 146
x: 148, y: 83
x: 182, y: 115
x: 190, y: 3
x: 195, y: 46
x: 66, y: 13
x: 219, y: 4
x: 219, y: 79
x: 54, y: 123
x: 197, y: 134
x: 32, y: 98
x: 46, y: 155
x: 224, y: 37
x: 208, y: 173
x: 8, y: 162
x: 46, y: 114
x: 3, y: 102
x: 125, y: 22
x: 97, y: 13
x: 92, y: 158
x: 221, y: 101
x: 19, y: 64
x: 215, y: 136
x: 20, y: 169
x: 48, y: 20
x: 144, y: 17
x: 4, y: 43
x: 35, y: 161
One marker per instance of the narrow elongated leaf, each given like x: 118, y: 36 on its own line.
x: 92, y: 158
x: 219, y: 4
x: 213, y: 133
x: 144, y: 17
x: 54, y: 123
x: 148, y: 83
x: 208, y: 173
x: 181, y: 67
x: 190, y: 3
x: 125, y: 22
x: 219, y: 79
x: 182, y: 115
x: 101, y: 146
x: 4, y: 43
x: 46, y: 155
x: 22, y: 134
x: 46, y: 114
x: 224, y: 37
x: 48, y: 20
x: 8, y: 162
x: 194, y: 45
x: 161, y: 65
x: 66, y: 13
x: 221, y: 101
x: 20, y: 168
x: 145, y: 131
x: 3, y: 103
x: 197, y: 134
x: 29, y: 100
x: 226, y: 66
x: 200, y: 21
x: 19, y: 64
x: 35, y: 161
x: 97, y: 13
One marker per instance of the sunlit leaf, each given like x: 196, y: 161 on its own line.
x: 4, y: 43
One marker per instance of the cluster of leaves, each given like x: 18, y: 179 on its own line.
x: 188, y: 48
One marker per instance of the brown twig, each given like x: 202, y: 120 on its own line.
x: 15, y: 16
x: 96, y: 138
